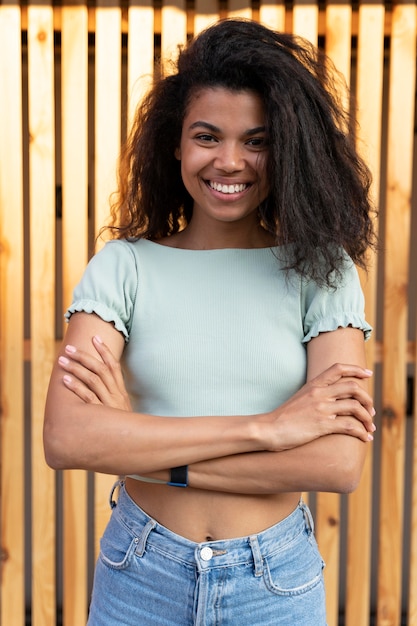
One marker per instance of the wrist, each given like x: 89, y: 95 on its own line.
x: 261, y: 431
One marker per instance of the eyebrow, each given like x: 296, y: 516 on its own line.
x: 215, y: 129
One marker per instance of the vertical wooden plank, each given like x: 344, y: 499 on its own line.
x: 399, y: 185
x: 370, y: 64
x: 328, y: 537
x: 173, y: 31
x: 338, y: 37
x: 12, y: 601
x: 74, y: 81
x: 107, y: 149
x: 42, y: 295
x: 239, y: 8
x: 306, y: 19
x: 272, y: 14
x: 206, y: 13
x: 107, y: 105
x: 140, y: 52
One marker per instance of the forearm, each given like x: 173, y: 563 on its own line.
x: 108, y: 440
x: 332, y: 463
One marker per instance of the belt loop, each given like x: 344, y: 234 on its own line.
x: 308, y: 517
x: 257, y: 556
x: 112, y: 502
x: 140, y: 549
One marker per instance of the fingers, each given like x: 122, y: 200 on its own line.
x: 347, y: 425
x: 341, y: 370
x: 80, y: 389
x: 352, y: 399
x: 352, y: 408
x: 109, y: 359
x: 341, y: 381
x: 97, y: 379
x: 82, y: 377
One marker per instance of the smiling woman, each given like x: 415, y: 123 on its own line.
x: 223, y: 152
x: 215, y: 348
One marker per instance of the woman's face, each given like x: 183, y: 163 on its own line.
x: 223, y: 153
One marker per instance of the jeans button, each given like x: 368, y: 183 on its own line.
x: 206, y: 553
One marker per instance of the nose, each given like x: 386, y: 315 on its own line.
x: 229, y: 157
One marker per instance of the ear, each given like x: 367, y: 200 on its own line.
x: 177, y: 154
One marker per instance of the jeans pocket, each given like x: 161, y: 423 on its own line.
x: 295, y: 569
x: 117, y: 545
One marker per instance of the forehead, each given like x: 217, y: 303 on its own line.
x: 224, y: 105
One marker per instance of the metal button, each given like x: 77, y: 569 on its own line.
x: 206, y: 553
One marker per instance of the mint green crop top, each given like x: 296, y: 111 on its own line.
x: 212, y: 332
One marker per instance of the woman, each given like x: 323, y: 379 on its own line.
x: 229, y: 299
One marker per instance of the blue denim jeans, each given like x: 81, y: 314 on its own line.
x: 147, y: 575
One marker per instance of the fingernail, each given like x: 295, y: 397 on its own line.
x: 98, y: 339
x: 70, y: 349
x: 373, y: 412
x: 67, y: 379
x: 63, y: 360
x: 370, y: 372
x: 373, y: 428
x: 370, y: 438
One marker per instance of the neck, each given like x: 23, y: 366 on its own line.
x: 227, y: 235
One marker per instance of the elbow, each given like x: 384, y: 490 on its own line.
x: 348, y: 483
x: 53, y: 460
x: 53, y: 456
x: 347, y: 473
x: 55, y: 448
x: 342, y: 480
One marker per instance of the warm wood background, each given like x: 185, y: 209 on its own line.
x: 69, y: 79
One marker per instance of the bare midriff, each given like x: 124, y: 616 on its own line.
x: 201, y: 515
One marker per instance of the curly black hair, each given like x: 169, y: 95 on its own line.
x: 319, y: 186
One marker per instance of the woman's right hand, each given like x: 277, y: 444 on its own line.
x: 334, y: 402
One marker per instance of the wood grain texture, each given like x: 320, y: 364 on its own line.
x: 396, y: 272
x: 75, y: 187
x: 369, y: 87
x: 41, y: 85
x: 12, y: 601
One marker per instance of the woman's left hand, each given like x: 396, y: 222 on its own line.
x: 95, y: 380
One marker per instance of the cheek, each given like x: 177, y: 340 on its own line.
x: 191, y: 165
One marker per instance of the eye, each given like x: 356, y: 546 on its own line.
x: 206, y: 138
x: 257, y: 142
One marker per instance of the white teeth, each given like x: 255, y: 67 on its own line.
x: 227, y: 188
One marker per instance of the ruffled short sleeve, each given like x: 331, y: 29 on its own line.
x: 109, y: 286
x: 328, y: 308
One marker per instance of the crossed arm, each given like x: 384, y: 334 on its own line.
x: 315, y: 441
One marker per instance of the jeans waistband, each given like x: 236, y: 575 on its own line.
x: 209, y: 554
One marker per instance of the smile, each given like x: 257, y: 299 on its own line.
x: 228, y: 188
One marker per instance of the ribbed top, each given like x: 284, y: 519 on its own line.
x: 211, y: 332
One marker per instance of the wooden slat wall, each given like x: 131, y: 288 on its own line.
x: 69, y: 114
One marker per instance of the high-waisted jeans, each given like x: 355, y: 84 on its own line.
x: 147, y: 575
